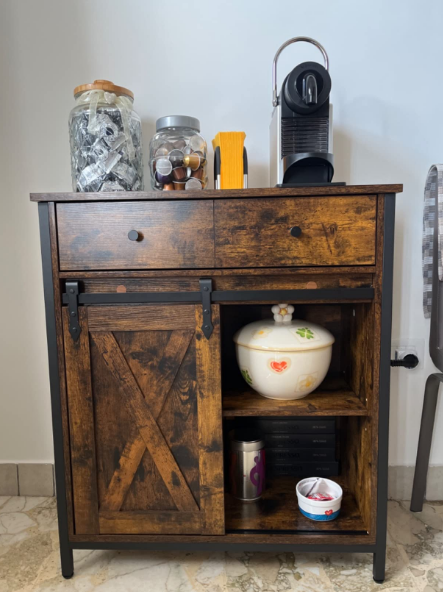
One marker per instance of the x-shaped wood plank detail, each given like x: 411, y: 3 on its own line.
x: 146, y: 433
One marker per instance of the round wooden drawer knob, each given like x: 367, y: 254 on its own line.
x: 133, y: 235
x: 296, y: 231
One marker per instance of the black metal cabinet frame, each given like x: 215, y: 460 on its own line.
x: 205, y: 297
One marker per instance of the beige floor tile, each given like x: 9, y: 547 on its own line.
x: 29, y: 560
x: 419, y: 534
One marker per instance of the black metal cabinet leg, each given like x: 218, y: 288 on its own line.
x: 379, y: 565
x: 51, y: 331
x: 425, y: 441
x: 384, y: 388
x: 67, y: 560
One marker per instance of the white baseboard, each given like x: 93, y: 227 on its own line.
x: 33, y: 479
x: 400, y: 480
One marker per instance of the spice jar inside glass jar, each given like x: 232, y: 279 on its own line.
x: 177, y: 154
x: 106, y: 139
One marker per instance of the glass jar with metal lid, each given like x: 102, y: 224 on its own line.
x: 177, y: 154
x: 106, y: 139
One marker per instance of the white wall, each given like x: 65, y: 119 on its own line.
x: 213, y: 61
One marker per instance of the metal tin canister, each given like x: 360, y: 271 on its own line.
x: 247, y: 465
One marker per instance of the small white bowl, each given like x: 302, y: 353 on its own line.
x: 320, y: 511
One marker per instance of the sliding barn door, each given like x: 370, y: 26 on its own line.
x: 145, y: 421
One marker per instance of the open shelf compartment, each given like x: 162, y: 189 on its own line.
x: 346, y: 394
x: 277, y: 511
x: 347, y: 388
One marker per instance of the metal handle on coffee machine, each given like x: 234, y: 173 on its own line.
x: 277, y: 55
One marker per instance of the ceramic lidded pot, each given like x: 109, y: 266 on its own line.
x: 283, y: 358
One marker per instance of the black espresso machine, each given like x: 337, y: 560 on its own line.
x: 301, y: 126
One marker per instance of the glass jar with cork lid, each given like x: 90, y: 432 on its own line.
x: 177, y: 154
x: 106, y: 139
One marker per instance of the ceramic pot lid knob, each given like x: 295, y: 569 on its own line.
x: 282, y: 313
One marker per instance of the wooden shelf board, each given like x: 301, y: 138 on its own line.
x: 333, y: 398
x: 278, y: 511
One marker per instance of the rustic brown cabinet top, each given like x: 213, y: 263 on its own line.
x: 224, y: 194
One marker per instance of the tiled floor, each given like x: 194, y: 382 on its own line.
x: 29, y: 560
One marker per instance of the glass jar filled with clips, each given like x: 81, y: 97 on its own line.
x: 106, y: 139
x: 177, y: 155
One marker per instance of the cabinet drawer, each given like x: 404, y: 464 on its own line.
x: 331, y: 231
x: 171, y: 235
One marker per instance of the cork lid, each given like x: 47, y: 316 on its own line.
x: 106, y: 85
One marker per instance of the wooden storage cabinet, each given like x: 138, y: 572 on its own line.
x: 144, y: 382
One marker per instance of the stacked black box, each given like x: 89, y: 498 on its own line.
x: 302, y: 447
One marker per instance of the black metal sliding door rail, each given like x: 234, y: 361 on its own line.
x: 217, y: 296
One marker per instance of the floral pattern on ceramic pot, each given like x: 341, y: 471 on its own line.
x: 262, y: 332
x: 246, y: 376
x: 304, y: 334
x: 306, y: 382
x: 279, y: 366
